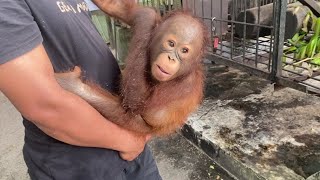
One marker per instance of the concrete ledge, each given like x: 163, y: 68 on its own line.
x: 221, y: 157
x: 255, y: 132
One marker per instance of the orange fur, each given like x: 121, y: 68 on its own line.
x: 164, y: 106
x: 146, y: 106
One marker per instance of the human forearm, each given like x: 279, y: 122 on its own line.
x: 33, y: 90
x: 89, y: 129
x: 73, y: 121
x: 120, y: 9
x: 127, y: 11
x: 69, y: 119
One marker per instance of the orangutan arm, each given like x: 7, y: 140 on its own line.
x: 156, y: 120
x: 170, y: 117
x: 135, y: 85
x: 103, y: 101
x: 166, y: 112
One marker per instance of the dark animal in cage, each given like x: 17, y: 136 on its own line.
x: 258, y: 21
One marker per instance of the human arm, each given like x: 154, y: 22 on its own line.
x: 119, y: 9
x: 28, y: 82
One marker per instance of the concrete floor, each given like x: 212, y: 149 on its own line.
x: 256, y: 131
x: 176, y: 157
x: 12, y: 166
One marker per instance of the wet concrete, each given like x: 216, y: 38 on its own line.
x: 254, y: 131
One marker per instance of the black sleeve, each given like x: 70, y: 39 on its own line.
x: 19, y: 33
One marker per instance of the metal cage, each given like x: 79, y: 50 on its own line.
x: 245, y: 36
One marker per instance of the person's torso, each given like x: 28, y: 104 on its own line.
x: 70, y: 39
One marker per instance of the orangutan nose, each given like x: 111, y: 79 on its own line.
x: 170, y: 59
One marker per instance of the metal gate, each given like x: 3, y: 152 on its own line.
x: 249, y: 35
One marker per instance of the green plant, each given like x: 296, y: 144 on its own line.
x: 305, y: 45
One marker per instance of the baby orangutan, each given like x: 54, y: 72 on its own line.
x: 162, y: 82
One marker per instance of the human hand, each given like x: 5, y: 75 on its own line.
x: 119, y: 9
x: 135, y: 146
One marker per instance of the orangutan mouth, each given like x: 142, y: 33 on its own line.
x: 162, y: 70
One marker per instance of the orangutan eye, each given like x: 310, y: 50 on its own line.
x: 171, y: 43
x: 185, y: 50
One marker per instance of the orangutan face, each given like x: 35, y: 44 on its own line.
x: 175, y: 46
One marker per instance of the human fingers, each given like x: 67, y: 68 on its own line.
x: 129, y: 156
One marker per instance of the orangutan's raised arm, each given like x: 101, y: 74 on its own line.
x: 135, y: 83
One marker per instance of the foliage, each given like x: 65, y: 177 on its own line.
x: 305, y: 45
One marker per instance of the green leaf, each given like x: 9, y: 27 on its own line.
x: 318, y: 46
x: 302, y: 53
x: 311, y: 47
x: 317, y: 27
x: 316, y: 61
x: 313, y: 21
x: 305, y: 23
x: 317, y: 55
x: 290, y: 50
x: 295, y: 38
